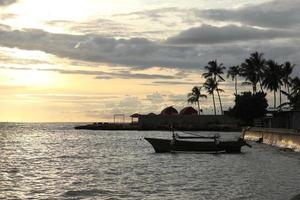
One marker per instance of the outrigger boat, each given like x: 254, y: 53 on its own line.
x: 190, y: 144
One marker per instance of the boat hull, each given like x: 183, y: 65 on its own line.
x: 168, y: 145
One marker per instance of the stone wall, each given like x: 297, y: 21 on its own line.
x: 284, y: 138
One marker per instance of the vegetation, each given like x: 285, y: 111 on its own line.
x: 214, y: 72
x: 194, y: 97
x: 294, y: 95
x: 272, y: 77
x: 211, y: 85
x: 257, y: 72
x: 252, y: 70
x: 234, y: 72
x: 249, y: 106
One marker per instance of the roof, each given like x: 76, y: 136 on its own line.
x: 151, y: 114
x: 169, y: 111
x: 188, y: 111
x: 135, y: 115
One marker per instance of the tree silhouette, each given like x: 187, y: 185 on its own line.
x: 195, y: 95
x: 287, y: 70
x: 272, y: 77
x: 234, y: 72
x: 215, y: 71
x: 211, y: 86
x: 252, y: 69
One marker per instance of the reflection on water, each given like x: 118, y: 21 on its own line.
x: 54, y: 161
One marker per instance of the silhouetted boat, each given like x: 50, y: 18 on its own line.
x: 178, y: 144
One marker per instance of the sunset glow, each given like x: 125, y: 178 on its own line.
x: 86, y: 60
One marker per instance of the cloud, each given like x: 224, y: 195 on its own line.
x: 7, y: 2
x: 207, y: 34
x: 173, y: 83
x: 98, y: 74
x: 137, y: 52
x: 155, y: 98
x: 277, y: 13
x: 100, y: 26
x: 141, y: 53
x: 69, y: 98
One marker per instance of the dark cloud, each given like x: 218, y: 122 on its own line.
x: 207, y: 34
x: 7, y: 2
x: 277, y: 13
x: 137, y: 52
x: 140, y: 53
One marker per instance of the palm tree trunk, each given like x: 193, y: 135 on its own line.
x: 274, y: 99
x: 235, y: 85
x: 260, y: 85
x: 220, y: 101
x: 254, y: 88
x: 213, y: 96
x: 280, y: 95
x: 198, y: 107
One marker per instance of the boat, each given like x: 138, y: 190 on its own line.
x: 190, y: 144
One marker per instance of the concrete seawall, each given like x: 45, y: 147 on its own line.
x: 284, y: 138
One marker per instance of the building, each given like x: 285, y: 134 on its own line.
x: 283, y: 119
x: 186, y: 119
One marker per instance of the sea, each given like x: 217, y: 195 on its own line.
x: 55, y: 161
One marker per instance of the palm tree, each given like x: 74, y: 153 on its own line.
x: 252, y: 69
x: 195, y: 95
x: 215, y: 71
x: 287, y: 70
x: 295, y: 82
x: 294, y: 96
x: 233, y: 72
x: 272, y: 77
x: 211, y: 85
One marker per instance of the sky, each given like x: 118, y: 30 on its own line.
x: 86, y: 60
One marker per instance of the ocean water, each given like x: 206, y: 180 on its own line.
x: 55, y: 161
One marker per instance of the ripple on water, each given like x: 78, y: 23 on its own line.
x: 87, y: 192
x: 44, y: 161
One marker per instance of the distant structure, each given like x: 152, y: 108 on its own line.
x: 119, y: 116
x: 169, y: 111
x: 280, y: 119
x: 134, y: 118
x: 188, y: 111
x: 187, y: 119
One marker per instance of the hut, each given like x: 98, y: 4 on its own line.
x: 169, y: 111
x: 134, y: 116
x: 188, y: 111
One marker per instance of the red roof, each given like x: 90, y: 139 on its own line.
x: 188, y: 111
x: 169, y: 111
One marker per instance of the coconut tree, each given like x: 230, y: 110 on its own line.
x: 272, y: 77
x: 211, y: 85
x: 287, y: 70
x: 233, y: 72
x: 294, y: 95
x: 195, y: 95
x: 215, y: 72
x: 252, y: 69
x: 295, y: 83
